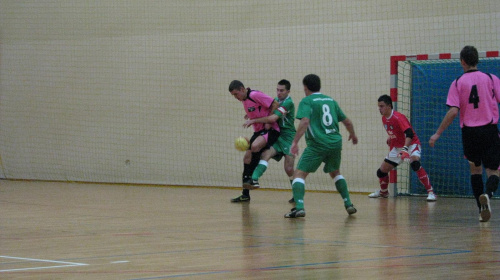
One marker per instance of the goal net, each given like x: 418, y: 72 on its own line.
x: 419, y: 84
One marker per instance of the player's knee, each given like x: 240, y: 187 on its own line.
x: 381, y: 174
x: 415, y: 166
x: 255, y: 148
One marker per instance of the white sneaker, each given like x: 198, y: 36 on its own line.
x: 431, y: 197
x: 484, y: 200
x: 378, y: 194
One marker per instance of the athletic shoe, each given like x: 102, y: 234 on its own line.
x: 241, y: 198
x: 484, y: 200
x: 431, y: 197
x: 291, y: 200
x: 251, y: 184
x: 294, y: 213
x: 350, y: 209
x: 379, y: 193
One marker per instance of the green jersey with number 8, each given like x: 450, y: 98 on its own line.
x: 324, y: 115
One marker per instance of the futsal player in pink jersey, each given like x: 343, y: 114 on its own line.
x: 257, y: 105
x: 404, y: 145
x: 475, y: 96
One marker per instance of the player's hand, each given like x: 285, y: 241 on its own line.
x: 433, y: 139
x: 404, y: 155
x: 294, y: 149
x: 388, y: 141
x: 246, y: 117
x: 248, y: 123
x: 354, y: 139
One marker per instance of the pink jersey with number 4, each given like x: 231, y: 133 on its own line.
x: 477, y: 95
x: 395, y: 125
x: 258, y: 105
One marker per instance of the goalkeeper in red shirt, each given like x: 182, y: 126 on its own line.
x: 404, y: 145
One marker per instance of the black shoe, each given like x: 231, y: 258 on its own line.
x: 250, y: 184
x: 241, y: 198
x: 294, y: 213
x: 350, y: 209
x: 291, y: 200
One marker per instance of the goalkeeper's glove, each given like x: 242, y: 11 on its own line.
x: 404, y: 155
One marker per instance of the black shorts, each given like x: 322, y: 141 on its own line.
x: 272, y: 137
x: 482, y: 145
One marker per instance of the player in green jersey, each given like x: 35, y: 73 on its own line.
x: 319, y: 117
x: 285, y: 116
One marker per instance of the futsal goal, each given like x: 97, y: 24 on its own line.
x: 419, y: 87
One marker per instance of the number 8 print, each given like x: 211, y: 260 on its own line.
x: 327, y: 117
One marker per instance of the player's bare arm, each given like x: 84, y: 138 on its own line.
x: 273, y: 107
x: 301, y: 130
x: 350, y: 128
x: 269, y: 119
x: 447, y: 120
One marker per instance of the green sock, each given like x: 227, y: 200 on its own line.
x: 341, y: 185
x: 259, y: 170
x: 299, y: 190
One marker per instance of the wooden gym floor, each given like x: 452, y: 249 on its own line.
x: 84, y: 231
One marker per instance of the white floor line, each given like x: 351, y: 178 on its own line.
x: 66, y: 264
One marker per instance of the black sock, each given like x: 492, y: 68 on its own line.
x: 476, y: 181
x: 255, y: 161
x: 246, y: 192
x: 247, y: 171
x: 492, y: 185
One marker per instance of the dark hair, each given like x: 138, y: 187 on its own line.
x: 469, y: 55
x: 285, y: 83
x: 312, y: 82
x: 235, y: 85
x: 386, y: 99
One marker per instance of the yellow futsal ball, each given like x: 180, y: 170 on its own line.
x: 241, y: 144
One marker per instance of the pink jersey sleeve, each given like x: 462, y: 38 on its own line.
x: 453, y: 99
x: 496, y: 87
x: 263, y: 99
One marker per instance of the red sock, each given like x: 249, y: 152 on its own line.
x: 424, y: 179
x: 384, y: 183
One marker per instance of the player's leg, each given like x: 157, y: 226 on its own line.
x: 473, y: 149
x: 282, y: 147
x: 245, y: 195
x: 263, y: 163
x: 258, y: 147
x: 250, y: 161
x: 390, y: 162
x: 289, y: 170
x: 423, y: 178
x: 332, y: 167
x: 476, y: 179
x: 308, y: 163
x: 492, y: 181
x: 298, y: 189
x: 490, y: 158
x: 421, y: 173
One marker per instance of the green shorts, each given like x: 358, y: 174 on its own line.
x: 312, y: 158
x: 282, y: 146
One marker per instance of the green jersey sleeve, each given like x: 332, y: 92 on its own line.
x: 304, y: 110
